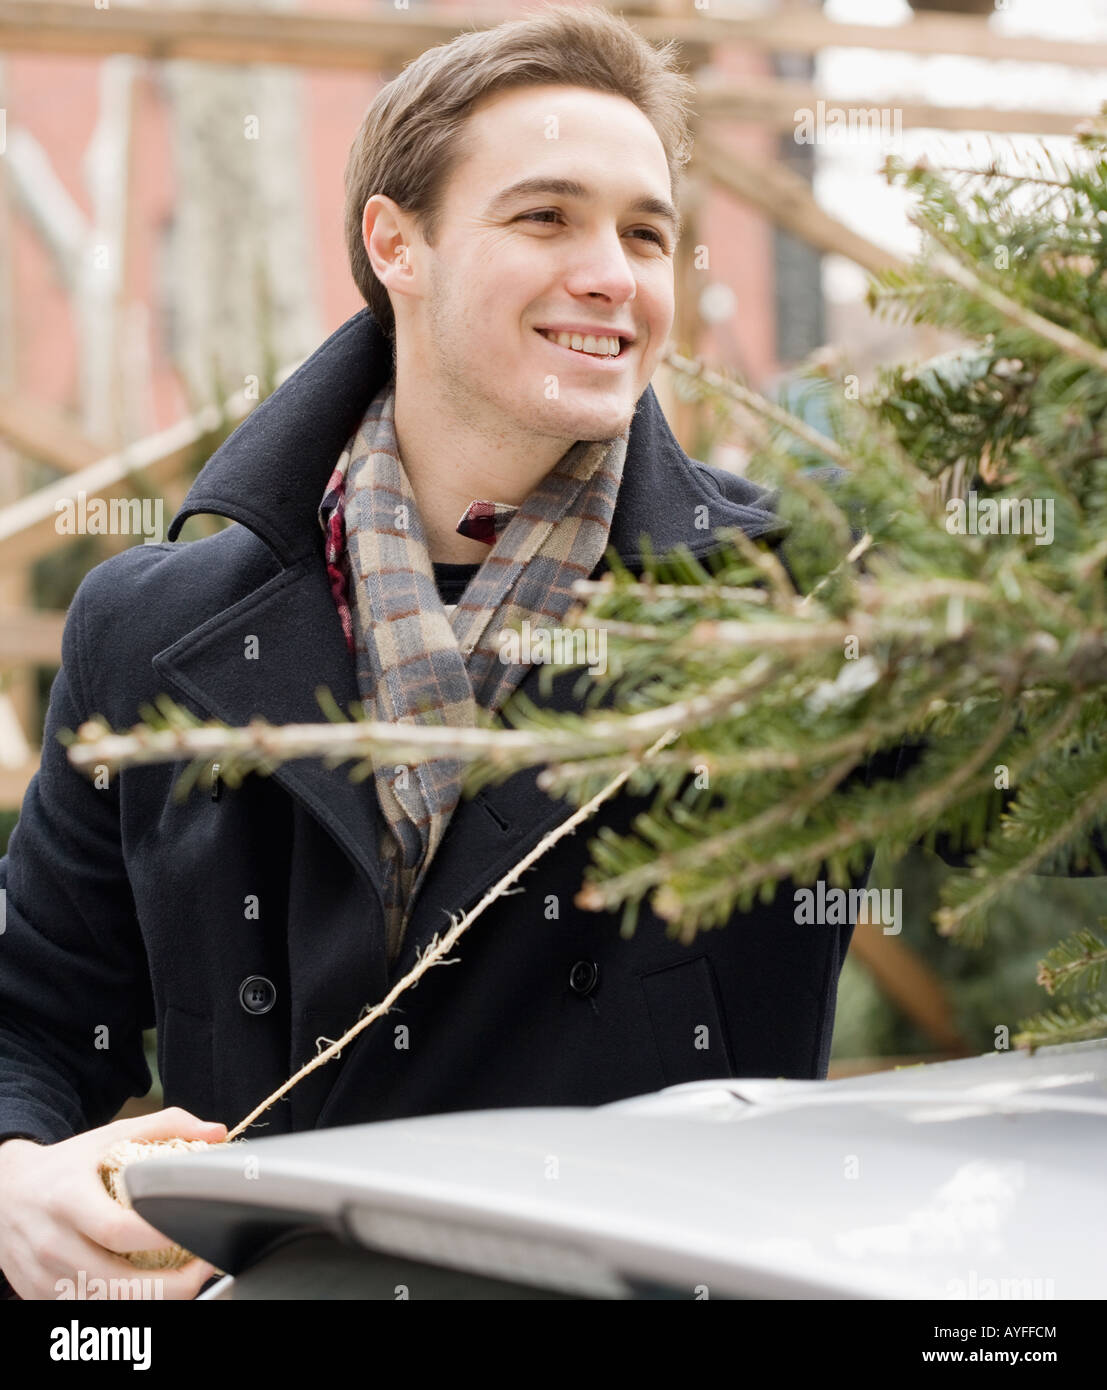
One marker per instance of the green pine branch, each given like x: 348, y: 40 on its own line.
x: 872, y: 616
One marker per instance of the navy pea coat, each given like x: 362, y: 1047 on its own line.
x: 247, y: 928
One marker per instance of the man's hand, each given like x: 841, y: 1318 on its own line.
x: 56, y: 1217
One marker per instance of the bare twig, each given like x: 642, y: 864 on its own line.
x: 95, y: 744
x: 1013, y: 312
x: 440, y: 947
x: 751, y: 400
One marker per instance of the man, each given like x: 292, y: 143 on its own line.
x: 489, y: 213
x: 508, y: 195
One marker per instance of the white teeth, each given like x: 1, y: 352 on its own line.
x: 597, y: 346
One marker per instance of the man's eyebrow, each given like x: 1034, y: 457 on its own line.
x: 573, y: 188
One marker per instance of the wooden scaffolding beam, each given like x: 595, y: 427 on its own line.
x: 14, y: 782
x: 803, y: 29
x: 905, y: 978
x: 43, y: 434
x: 29, y: 527
x: 787, y: 199
x: 775, y: 103
x: 30, y: 637
x: 377, y: 40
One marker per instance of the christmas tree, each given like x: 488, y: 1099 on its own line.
x: 937, y: 584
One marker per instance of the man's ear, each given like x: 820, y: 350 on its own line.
x: 387, y: 232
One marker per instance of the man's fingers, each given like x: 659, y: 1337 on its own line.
x: 84, y: 1261
x: 106, y: 1221
x: 63, y: 1224
x: 173, y: 1123
x: 112, y: 1225
x: 187, y: 1282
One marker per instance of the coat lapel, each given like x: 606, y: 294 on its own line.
x: 269, y: 475
x: 300, y: 648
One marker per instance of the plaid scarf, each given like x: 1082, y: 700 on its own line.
x: 417, y: 665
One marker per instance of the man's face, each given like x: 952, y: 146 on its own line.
x: 598, y: 256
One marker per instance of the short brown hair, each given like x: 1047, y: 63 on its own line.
x: 413, y: 134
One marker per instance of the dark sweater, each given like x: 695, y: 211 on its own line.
x: 452, y: 580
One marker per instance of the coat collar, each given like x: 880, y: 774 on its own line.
x: 297, y: 434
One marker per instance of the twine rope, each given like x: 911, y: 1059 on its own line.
x: 438, y: 947
x: 433, y: 954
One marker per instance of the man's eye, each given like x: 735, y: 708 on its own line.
x: 650, y: 232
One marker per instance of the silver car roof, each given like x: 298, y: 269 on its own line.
x: 970, y: 1179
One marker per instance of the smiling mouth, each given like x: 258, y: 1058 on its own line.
x: 601, y: 349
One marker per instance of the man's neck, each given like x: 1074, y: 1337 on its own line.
x: 451, y: 462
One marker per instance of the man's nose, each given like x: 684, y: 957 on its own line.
x: 603, y: 267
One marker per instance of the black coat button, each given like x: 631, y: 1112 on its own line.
x: 257, y: 994
x: 584, y: 977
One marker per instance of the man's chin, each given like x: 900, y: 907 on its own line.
x: 571, y: 419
